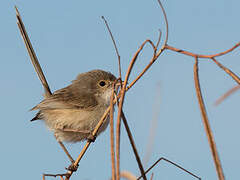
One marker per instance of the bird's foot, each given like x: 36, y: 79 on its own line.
x: 72, y: 167
x: 91, y: 138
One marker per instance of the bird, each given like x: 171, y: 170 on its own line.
x: 73, y: 112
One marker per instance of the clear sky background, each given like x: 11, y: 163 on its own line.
x: 70, y: 37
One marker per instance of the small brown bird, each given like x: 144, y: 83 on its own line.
x: 73, y: 112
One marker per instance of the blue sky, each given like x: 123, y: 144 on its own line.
x: 70, y: 37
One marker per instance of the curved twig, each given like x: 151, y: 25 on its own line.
x: 148, y: 66
x: 122, y: 95
x: 202, y: 55
x: 166, y: 23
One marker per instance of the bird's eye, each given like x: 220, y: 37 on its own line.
x: 102, y: 83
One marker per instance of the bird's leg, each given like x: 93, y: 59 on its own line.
x: 72, y: 167
x: 66, y: 151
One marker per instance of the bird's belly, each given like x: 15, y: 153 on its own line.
x: 74, y: 125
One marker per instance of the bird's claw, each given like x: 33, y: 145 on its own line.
x: 72, y: 167
x: 91, y: 138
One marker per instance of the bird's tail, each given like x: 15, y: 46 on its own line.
x: 37, y: 117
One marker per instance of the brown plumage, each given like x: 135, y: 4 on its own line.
x: 77, y: 107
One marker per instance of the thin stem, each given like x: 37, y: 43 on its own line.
x: 112, y: 137
x: 115, y: 46
x: 201, y: 55
x: 166, y: 22
x: 122, y: 95
x: 206, y: 123
x: 147, y: 67
x: 173, y: 163
x: 130, y: 137
x: 228, y: 71
x: 227, y: 94
x: 118, y: 133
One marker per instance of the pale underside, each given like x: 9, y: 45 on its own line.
x: 74, y: 125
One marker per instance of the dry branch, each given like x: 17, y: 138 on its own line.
x: 188, y: 53
x: 207, y: 124
x: 171, y: 162
x: 112, y: 137
x: 227, y: 94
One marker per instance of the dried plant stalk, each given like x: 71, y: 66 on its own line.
x: 112, y: 138
x: 207, y: 124
x: 202, y: 55
x: 173, y: 163
x: 227, y: 94
x: 228, y: 71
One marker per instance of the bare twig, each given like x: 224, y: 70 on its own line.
x: 228, y: 71
x: 166, y: 23
x: 112, y: 137
x: 115, y: 46
x: 171, y: 162
x: 207, y: 124
x: 148, y: 66
x: 202, y: 55
x: 122, y: 95
x: 159, y: 38
x: 156, y: 54
x: 151, y: 177
x: 130, y: 137
x: 118, y: 128
x: 227, y: 94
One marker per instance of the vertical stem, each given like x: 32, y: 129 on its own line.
x: 206, y: 124
x: 118, y: 127
x: 130, y: 137
x: 112, y: 138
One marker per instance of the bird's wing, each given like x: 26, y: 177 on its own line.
x: 66, y: 98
